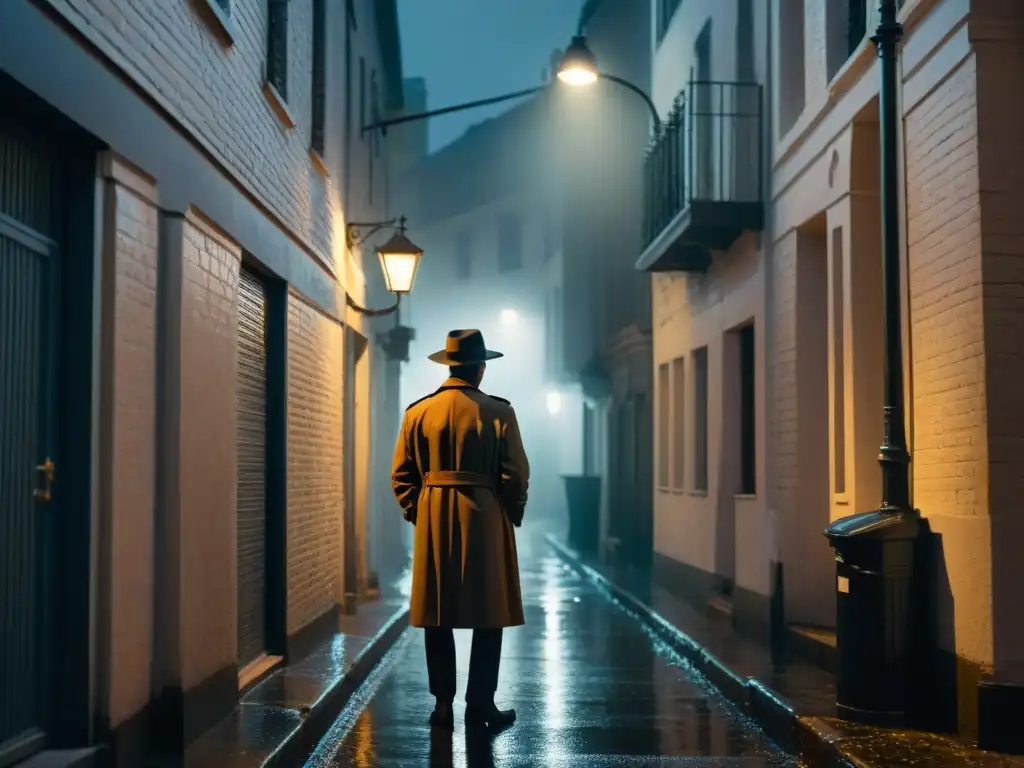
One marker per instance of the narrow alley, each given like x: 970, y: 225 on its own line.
x: 589, y: 685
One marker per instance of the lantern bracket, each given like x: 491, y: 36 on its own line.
x: 354, y: 231
x: 373, y: 312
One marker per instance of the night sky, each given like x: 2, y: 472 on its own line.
x: 475, y: 49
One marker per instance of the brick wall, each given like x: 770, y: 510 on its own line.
x: 208, y: 469
x: 130, y: 263
x: 1000, y: 119
x: 944, y: 242
x: 950, y: 444
x: 174, y: 55
x: 315, y: 493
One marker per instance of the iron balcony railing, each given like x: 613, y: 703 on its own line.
x: 708, y: 150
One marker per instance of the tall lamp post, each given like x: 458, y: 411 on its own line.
x: 883, y: 602
x: 893, y: 456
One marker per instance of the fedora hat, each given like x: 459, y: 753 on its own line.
x: 464, y: 347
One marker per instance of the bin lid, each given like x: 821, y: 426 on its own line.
x: 874, y: 525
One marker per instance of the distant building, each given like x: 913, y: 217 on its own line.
x: 409, y: 141
x: 598, y: 304
x: 484, y: 210
x: 175, y: 183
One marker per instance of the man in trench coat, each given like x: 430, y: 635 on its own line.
x: 460, y: 474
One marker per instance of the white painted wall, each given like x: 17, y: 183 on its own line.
x: 715, y: 531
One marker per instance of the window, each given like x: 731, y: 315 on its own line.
x: 319, y: 109
x: 666, y: 9
x: 277, y: 47
x: 510, y: 243
x: 679, y: 423
x: 463, y: 256
x: 664, y: 424
x: 374, y: 112
x: 837, y: 326
x: 375, y: 115
x: 700, y: 419
x: 792, y: 90
x: 748, y: 412
x: 549, y: 236
x: 703, y: 98
x: 589, y: 440
x: 362, y: 97
x: 856, y: 24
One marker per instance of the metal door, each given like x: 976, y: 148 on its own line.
x: 29, y: 212
x: 252, y: 467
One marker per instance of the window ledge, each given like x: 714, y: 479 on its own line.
x: 744, y: 497
x: 217, y: 19
x: 278, y: 105
x: 700, y: 493
x: 318, y: 162
x: 852, y: 69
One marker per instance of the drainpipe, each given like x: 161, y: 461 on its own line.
x: 777, y: 605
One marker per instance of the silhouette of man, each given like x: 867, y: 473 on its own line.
x: 460, y: 474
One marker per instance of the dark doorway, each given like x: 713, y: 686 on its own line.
x: 47, y: 262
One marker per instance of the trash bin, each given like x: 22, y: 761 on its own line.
x: 583, y: 494
x: 878, y: 622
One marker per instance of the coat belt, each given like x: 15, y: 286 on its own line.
x: 451, y: 478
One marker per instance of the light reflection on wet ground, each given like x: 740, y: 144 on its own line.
x: 590, y: 685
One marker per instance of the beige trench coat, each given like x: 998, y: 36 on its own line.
x: 460, y: 474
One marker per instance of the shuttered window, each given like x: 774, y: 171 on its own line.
x: 277, y: 47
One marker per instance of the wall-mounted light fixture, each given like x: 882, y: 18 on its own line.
x: 399, y: 260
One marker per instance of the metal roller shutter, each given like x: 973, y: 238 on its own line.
x: 252, y: 467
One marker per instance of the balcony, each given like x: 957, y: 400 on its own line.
x: 703, y: 177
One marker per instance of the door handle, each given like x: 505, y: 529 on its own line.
x: 47, y: 470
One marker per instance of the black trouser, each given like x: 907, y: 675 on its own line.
x: 484, y: 661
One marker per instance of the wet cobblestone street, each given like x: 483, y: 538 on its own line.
x: 591, y: 688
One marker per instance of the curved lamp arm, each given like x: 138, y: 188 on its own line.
x: 383, y: 125
x: 373, y: 312
x: 639, y: 92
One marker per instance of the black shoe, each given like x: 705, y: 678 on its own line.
x: 442, y: 717
x: 489, y: 717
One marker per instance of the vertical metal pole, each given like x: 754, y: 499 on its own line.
x: 893, y: 454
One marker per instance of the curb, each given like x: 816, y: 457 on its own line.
x: 302, y: 742
x: 807, y: 737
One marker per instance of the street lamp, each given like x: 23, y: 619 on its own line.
x: 579, y: 65
x: 399, y: 260
x: 883, y: 601
x: 578, y: 68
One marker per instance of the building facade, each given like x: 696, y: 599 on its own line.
x: 811, y: 281
x: 703, y: 244
x: 191, y: 506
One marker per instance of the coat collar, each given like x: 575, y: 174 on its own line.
x: 452, y: 383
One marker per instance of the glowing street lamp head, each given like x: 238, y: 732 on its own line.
x: 399, y: 260
x: 509, y: 317
x: 554, y: 402
x: 579, y: 65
